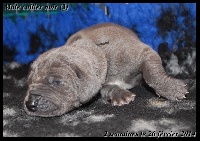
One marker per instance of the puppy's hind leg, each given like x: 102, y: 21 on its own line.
x: 155, y: 76
x: 117, y: 95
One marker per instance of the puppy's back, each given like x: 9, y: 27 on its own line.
x: 102, y: 33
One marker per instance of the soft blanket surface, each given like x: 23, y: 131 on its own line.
x: 148, y: 114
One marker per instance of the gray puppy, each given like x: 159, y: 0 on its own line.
x: 106, y: 57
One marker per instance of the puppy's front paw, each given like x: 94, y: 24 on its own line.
x: 172, y: 89
x: 122, y: 97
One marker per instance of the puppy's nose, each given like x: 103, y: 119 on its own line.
x: 32, y: 103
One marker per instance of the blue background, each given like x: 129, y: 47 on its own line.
x: 53, y: 32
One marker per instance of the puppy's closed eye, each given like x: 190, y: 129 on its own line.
x: 54, y: 81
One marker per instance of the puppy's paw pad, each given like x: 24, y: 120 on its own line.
x: 122, y: 98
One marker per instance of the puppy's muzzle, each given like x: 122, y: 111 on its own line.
x: 37, y: 102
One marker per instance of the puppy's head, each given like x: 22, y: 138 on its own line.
x: 53, y: 85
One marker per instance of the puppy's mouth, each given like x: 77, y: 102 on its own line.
x: 40, y: 106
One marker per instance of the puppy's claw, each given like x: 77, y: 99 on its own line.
x: 114, y: 103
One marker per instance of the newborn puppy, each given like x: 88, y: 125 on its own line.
x: 106, y: 57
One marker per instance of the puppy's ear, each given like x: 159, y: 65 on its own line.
x: 102, y: 43
x: 73, y: 38
x: 79, y: 73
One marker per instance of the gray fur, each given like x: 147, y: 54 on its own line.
x: 105, y: 57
